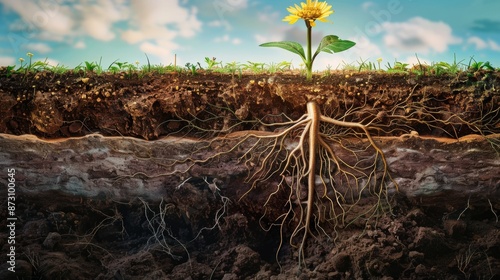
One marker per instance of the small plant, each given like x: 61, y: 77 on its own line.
x: 129, y: 68
x: 310, y: 12
x: 232, y: 67
x: 211, y: 63
x: 32, y: 66
x: 366, y: 66
x: 479, y: 65
x: 281, y: 66
x: 9, y: 70
x: 444, y: 67
x: 399, y: 67
x: 256, y: 67
x: 192, y: 68
x: 115, y: 67
x: 328, y: 71
x: 28, y: 68
x: 90, y: 67
x: 379, y: 61
x: 58, y: 69
x: 21, y: 60
x: 348, y: 66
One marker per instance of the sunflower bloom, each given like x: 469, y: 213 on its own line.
x: 310, y: 12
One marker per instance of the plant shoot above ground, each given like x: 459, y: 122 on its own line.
x: 310, y: 12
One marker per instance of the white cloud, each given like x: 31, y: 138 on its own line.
x: 263, y: 38
x: 269, y: 17
x: 98, y: 18
x: 7, y: 60
x: 79, y: 45
x: 286, y: 32
x: 45, y: 16
x: 156, y: 24
x: 226, y: 38
x: 37, y: 47
x: 493, y: 45
x: 364, y: 48
x: 229, y: 5
x: 166, y: 17
x: 216, y: 23
x: 236, y: 41
x: 162, y: 50
x: 153, y: 24
x: 481, y: 44
x: 418, y: 35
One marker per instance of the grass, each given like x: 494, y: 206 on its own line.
x: 212, y: 65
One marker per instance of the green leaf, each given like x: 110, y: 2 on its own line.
x: 289, y: 46
x: 332, y: 44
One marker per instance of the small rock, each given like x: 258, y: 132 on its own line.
x: 421, y: 269
x: 341, y: 262
x: 51, y: 240
x: 246, y: 262
x: 455, y: 228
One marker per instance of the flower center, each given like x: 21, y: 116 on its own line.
x: 310, y: 13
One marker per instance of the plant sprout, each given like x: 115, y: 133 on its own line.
x: 310, y: 12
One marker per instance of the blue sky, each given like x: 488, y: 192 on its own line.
x: 69, y: 32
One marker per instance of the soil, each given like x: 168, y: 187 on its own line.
x: 92, y: 201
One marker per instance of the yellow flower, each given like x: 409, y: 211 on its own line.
x: 309, y: 11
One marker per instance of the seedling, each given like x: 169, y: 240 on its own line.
x: 192, y: 68
x: 58, y: 69
x: 379, y: 61
x: 366, y: 66
x: 211, y: 63
x: 399, y: 67
x: 479, y: 65
x: 9, y: 70
x: 276, y: 67
x: 255, y: 67
x: 232, y: 67
x: 90, y: 67
x: 32, y: 66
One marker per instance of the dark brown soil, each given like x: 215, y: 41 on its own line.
x: 109, y: 236
x: 74, y: 104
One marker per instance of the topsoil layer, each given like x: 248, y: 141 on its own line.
x: 74, y: 104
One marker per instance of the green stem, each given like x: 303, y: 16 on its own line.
x: 309, y: 59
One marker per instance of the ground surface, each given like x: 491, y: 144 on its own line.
x: 64, y: 235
